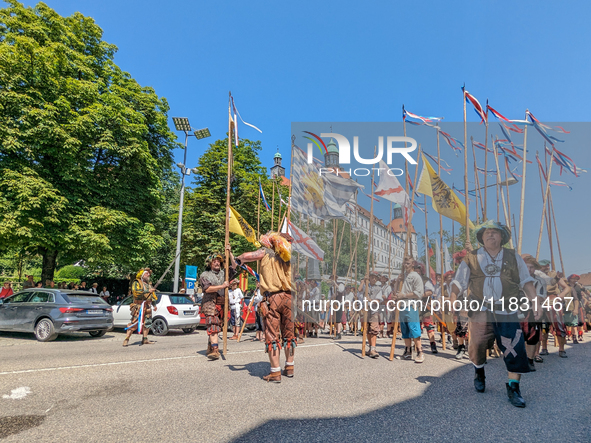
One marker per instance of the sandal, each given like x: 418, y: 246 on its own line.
x: 538, y: 359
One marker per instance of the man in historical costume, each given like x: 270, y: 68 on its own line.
x: 374, y: 292
x: 577, y: 312
x: 556, y: 290
x: 411, y: 293
x: 213, y: 284
x: 275, y: 282
x: 532, y: 329
x: 337, y: 292
x: 314, y: 296
x: 144, y: 301
x: 494, y: 276
x: 460, y: 334
x: 235, y: 297
x: 425, y: 314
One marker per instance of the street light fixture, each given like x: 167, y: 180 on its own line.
x: 182, y: 124
x: 201, y: 133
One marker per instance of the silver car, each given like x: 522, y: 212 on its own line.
x: 49, y: 312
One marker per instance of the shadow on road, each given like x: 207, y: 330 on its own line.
x: 449, y: 408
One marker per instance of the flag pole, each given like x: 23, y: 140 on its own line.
x: 389, y: 230
x: 369, y: 251
x: 485, y: 163
x: 548, y: 178
x: 412, y: 204
x: 280, y: 204
x: 467, y: 221
x: 556, y: 230
x: 227, y: 238
x: 548, y: 219
x: 521, y: 212
x: 497, y: 188
x: 507, y: 221
x: 427, y: 260
x: 290, y: 179
x: 477, y: 181
x: 405, y: 167
x: 259, y: 217
x: 273, y: 204
x: 440, y: 216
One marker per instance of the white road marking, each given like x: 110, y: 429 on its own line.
x: 115, y: 363
x: 18, y: 393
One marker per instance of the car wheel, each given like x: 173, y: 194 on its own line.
x: 45, y: 331
x: 159, y: 327
x: 97, y: 333
x: 188, y: 330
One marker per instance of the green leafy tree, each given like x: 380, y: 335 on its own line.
x: 83, y: 147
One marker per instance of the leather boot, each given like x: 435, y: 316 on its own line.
x: 479, y: 380
x: 515, y: 395
x: 274, y: 377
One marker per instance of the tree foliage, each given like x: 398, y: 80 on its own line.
x: 84, y: 149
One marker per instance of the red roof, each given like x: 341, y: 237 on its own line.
x: 397, y: 225
x: 285, y: 181
x: 585, y: 279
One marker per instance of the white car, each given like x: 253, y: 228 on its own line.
x: 174, y: 311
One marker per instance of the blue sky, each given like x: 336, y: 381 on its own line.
x: 342, y: 61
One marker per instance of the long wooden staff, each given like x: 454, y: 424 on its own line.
x: 548, y: 178
x: 556, y: 230
x: 521, y: 212
x: 467, y: 200
x: 227, y: 238
x: 477, y: 181
x: 369, y: 251
x: 273, y: 205
x: 548, y: 221
x: 485, y: 163
x: 503, y: 194
x: 509, y: 222
x: 412, y: 203
x: 245, y: 318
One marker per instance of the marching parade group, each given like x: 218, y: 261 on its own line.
x: 520, y: 303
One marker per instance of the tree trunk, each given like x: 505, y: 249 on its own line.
x: 48, y: 268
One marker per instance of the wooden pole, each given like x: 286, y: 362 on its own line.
x: 273, y: 205
x: 548, y: 220
x: 389, y: 230
x: 556, y: 230
x: 509, y: 222
x: 477, y: 181
x: 369, y: 251
x: 245, y: 319
x: 502, y: 193
x: 280, y: 204
x: 405, y: 174
x: 227, y: 238
x: 485, y: 164
x: 548, y: 178
x: 497, y: 188
x: 290, y: 179
x: 521, y: 212
x: 440, y: 216
x: 401, y: 276
x: 467, y: 221
x: 259, y: 219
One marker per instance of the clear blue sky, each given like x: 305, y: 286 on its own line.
x: 344, y: 61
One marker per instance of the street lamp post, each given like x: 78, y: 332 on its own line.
x: 182, y: 124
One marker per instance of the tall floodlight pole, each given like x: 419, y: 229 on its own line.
x: 182, y: 124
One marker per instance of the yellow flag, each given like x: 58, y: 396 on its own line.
x: 443, y: 199
x: 240, y: 226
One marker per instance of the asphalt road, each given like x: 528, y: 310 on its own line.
x: 83, y: 389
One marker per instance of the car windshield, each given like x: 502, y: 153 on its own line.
x: 86, y: 298
x: 180, y: 300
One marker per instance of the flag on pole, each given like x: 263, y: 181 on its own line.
x: 506, y: 122
x: 443, y: 199
x: 240, y: 226
x: 429, y: 248
x: 390, y: 188
x: 425, y: 120
x: 477, y: 106
x: 263, y: 198
x: 237, y: 114
x: 243, y: 282
x: 302, y: 242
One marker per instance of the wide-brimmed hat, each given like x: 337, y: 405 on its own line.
x: 491, y: 224
x: 212, y: 257
x: 544, y: 262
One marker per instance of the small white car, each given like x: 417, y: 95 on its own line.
x: 174, y: 311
